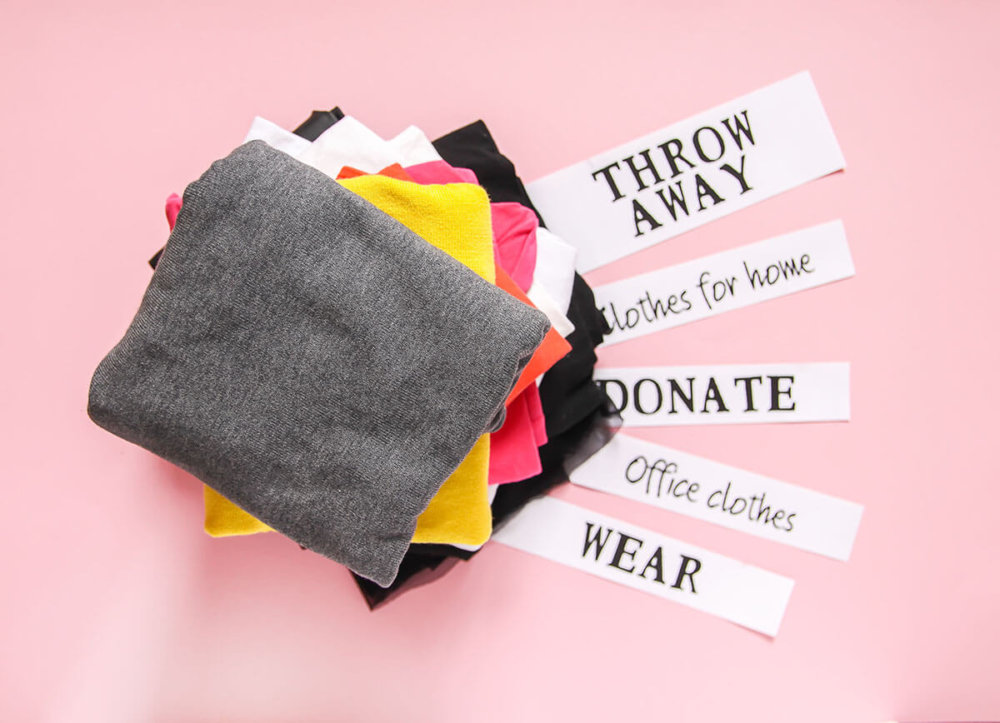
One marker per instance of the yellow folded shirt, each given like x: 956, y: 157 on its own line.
x: 455, y: 218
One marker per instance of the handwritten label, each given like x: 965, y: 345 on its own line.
x: 729, y: 393
x: 723, y: 495
x: 729, y: 280
x: 647, y: 561
x: 687, y: 174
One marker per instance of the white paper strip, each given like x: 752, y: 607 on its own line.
x: 723, y: 495
x: 729, y: 393
x: 687, y: 174
x: 729, y: 280
x: 647, y: 561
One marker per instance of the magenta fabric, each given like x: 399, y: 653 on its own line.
x: 440, y: 172
x: 514, y: 246
x: 514, y: 243
x: 173, y: 207
x: 514, y: 447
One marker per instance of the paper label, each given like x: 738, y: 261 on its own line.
x: 729, y: 280
x: 723, y: 495
x: 687, y: 174
x: 647, y: 561
x: 729, y: 393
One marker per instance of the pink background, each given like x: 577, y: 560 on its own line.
x: 117, y: 607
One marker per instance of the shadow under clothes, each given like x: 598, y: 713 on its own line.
x: 579, y: 417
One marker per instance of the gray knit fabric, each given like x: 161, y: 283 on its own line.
x: 312, y: 359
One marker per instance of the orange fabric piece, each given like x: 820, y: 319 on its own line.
x: 394, y: 171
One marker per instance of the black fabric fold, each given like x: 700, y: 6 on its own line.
x: 318, y: 122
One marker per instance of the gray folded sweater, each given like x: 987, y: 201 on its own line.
x: 312, y: 359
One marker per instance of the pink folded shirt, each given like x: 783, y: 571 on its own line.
x: 514, y: 244
x: 514, y: 226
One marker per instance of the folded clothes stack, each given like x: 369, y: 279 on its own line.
x: 373, y: 347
